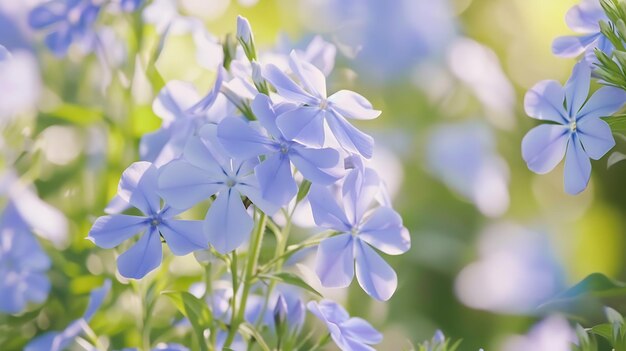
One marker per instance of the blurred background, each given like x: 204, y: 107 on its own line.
x: 491, y: 241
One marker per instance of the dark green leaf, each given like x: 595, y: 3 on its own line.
x: 195, y: 310
x: 304, y: 190
x: 617, y: 123
x: 292, y: 279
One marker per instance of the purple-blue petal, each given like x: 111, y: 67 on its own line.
x: 545, y: 100
x: 264, y: 111
x: 577, y: 167
x: 374, y: 274
x: 138, y: 186
x: 304, y: 125
x: 182, y: 184
x: 335, y: 261
x: 384, y: 231
x: 577, y: 88
x: 596, y: 137
x: 109, y: 231
x: 319, y: 166
x: 227, y: 224
x: 544, y: 146
x: 141, y: 258
x: 326, y: 211
x: 183, y: 236
x: 349, y: 137
x: 352, y: 105
x: 241, y: 140
x: 603, y: 103
x: 286, y: 87
x: 276, y: 179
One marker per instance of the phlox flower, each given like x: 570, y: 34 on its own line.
x: 23, y: 264
x: 551, y: 334
x: 577, y: 133
x: 66, y: 21
x: 349, y: 333
x: 204, y: 171
x: 274, y: 174
x: 305, y: 123
x: 138, y: 187
x: 183, y: 111
x: 584, y: 18
x: 58, y: 341
x: 359, y: 231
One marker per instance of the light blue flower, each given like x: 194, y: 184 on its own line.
x: 584, y: 18
x: 183, y: 112
x: 138, y: 187
x: 350, y: 334
x: 359, y: 229
x: 66, y: 21
x: 577, y: 132
x: 23, y: 264
x: 274, y: 174
x: 204, y: 171
x: 58, y: 341
x: 305, y: 124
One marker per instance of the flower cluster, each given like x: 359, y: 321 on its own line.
x: 576, y: 130
x: 266, y: 139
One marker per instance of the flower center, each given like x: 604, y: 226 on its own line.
x: 155, y: 220
x: 230, y: 182
x: 323, y: 104
x: 284, y: 148
x: 572, y: 126
x: 354, y: 231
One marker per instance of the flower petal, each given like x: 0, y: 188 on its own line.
x: 109, y: 231
x: 544, y: 146
x: 384, y: 231
x: 286, y: 87
x: 352, y: 105
x: 141, y: 258
x: 349, y: 137
x: 304, y: 125
x: 96, y: 297
x: 335, y: 261
x: 138, y: 186
x: 241, y: 140
x: 573, y: 46
x: 545, y: 101
x: 326, y: 211
x: 183, y: 237
x: 227, y: 223
x: 311, y: 78
x: 174, y: 99
x: 182, y: 185
x: 47, y: 14
x: 374, y: 274
x: 276, y: 180
x: 585, y: 17
x: 577, y: 167
x: 604, y: 102
x: 264, y: 111
x: 361, y: 330
x: 596, y: 137
x: 359, y: 190
x: 320, y: 166
x: 577, y: 88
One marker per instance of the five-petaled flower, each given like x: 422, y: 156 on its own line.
x: 359, y: 229
x: 577, y: 133
x: 138, y: 187
x: 349, y: 333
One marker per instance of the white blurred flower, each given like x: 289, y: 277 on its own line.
x: 20, y: 85
x: 552, y: 334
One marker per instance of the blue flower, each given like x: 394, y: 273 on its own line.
x: 359, y: 229
x: 23, y: 264
x: 584, y: 18
x: 205, y: 171
x: 305, y: 123
x: 138, y: 187
x: 183, y: 112
x: 66, y: 21
x: 58, y: 341
x: 577, y: 133
x: 350, y: 334
x: 275, y: 176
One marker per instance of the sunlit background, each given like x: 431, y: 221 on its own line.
x: 491, y: 241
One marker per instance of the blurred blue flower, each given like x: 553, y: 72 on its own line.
x: 577, y: 133
x: 305, y: 123
x: 20, y: 84
x: 23, y: 264
x: 551, y: 334
x: 359, y: 231
x: 58, y: 341
x: 66, y: 21
x: 183, y: 112
x: 205, y: 171
x: 584, y: 18
x: 130, y: 5
x: 274, y: 174
x: 350, y: 334
x: 138, y: 187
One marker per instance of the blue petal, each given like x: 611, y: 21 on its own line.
x: 206, y: 152
x: 47, y: 14
x: 585, y: 17
x: 374, y: 274
x: 276, y: 180
x: 152, y: 144
x: 241, y: 140
x: 138, y: 187
x: 286, y: 87
x: 596, y: 137
x: 349, y: 137
x: 249, y: 186
x: 352, y: 105
x: 184, y: 237
x: 173, y: 101
x: 544, y: 146
x: 311, y: 78
x: 96, y: 298
x: 359, y: 190
x: 182, y: 184
x: 360, y: 330
x: 326, y: 211
x: 604, y: 102
x: 335, y: 261
x: 384, y: 231
x: 577, y: 167
x: 573, y: 46
x: 202, y: 106
x: 227, y: 222
x: 320, y: 166
x: 59, y: 41
x: 42, y: 342
x: 545, y: 101
x: 577, y: 88
x: 109, y: 231
x: 141, y: 258
x: 262, y: 108
x: 304, y: 124
x: 38, y: 287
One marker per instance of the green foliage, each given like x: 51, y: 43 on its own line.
x: 195, y: 310
x: 291, y: 279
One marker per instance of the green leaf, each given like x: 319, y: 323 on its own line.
x: 195, y: 310
x: 292, y: 279
x: 617, y: 123
x: 251, y: 331
x: 595, y: 284
x: 77, y: 114
x: 304, y: 190
x: 604, y: 330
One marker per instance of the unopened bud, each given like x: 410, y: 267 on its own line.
x: 246, y: 38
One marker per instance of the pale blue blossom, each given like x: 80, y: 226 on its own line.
x: 349, y: 333
x: 138, y: 187
x: 576, y: 132
x: 554, y: 333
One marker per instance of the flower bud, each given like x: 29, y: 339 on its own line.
x: 245, y: 37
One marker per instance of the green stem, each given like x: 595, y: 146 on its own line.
x: 251, y: 265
